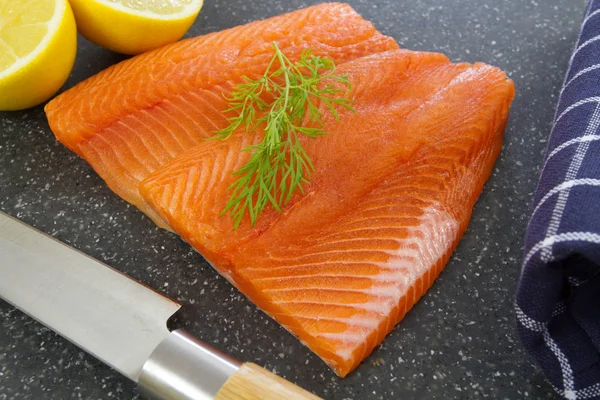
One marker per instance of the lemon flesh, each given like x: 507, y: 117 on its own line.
x: 134, y: 26
x: 38, y: 43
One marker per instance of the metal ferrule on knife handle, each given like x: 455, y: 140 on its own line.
x: 182, y: 367
x: 122, y: 322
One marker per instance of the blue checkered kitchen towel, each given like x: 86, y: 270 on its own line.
x: 558, y: 298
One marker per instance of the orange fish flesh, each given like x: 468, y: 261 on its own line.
x: 391, y: 196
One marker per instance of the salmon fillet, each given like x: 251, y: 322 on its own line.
x: 391, y: 196
x: 137, y: 115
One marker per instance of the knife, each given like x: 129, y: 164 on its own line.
x: 122, y: 322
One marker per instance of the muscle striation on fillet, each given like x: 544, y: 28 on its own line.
x: 391, y: 196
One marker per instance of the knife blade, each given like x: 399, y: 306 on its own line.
x: 89, y: 303
x: 121, y: 322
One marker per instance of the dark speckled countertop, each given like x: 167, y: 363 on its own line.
x: 458, y: 342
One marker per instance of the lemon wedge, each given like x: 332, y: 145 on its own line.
x: 134, y: 26
x: 38, y: 42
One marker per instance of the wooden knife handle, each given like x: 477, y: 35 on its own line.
x: 252, y: 382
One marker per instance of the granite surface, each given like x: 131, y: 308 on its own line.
x: 458, y: 342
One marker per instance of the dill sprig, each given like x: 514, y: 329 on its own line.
x: 279, y: 101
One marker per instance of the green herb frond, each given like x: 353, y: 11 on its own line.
x: 279, y: 165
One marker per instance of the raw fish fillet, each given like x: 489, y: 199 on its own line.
x: 391, y: 196
x: 137, y: 115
